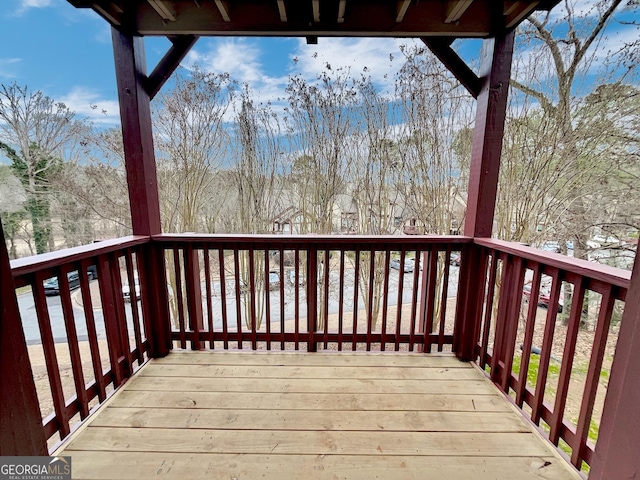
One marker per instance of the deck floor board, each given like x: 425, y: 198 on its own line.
x: 286, y: 415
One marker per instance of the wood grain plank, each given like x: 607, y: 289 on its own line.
x: 306, y: 385
x: 131, y: 465
x: 262, y: 419
x: 317, y: 359
x: 288, y: 371
x: 310, y: 442
x: 311, y: 401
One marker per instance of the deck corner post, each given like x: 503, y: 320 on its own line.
x: 142, y: 181
x: 154, y: 291
x: 483, y: 187
x: 487, y: 135
x: 312, y: 297
x: 22, y: 433
x: 137, y: 133
x: 616, y: 453
x: 466, y: 332
x: 194, y: 296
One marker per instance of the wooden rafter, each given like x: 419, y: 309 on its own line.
x: 301, y: 18
x: 111, y: 13
x: 167, y: 65
x: 510, y: 7
x: 455, y: 10
x: 223, y: 8
x: 403, y: 5
x: 441, y: 48
x: 517, y: 11
x: 341, y: 8
x: 164, y: 9
x: 282, y: 10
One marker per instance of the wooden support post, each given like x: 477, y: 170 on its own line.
x: 194, y: 295
x: 137, y: 134
x: 153, y: 277
x: 466, y: 329
x: 140, y: 165
x: 483, y: 185
x: 616, y: 454
x: 312, y: 297
x: 487, y: 135
x: 20, y: 416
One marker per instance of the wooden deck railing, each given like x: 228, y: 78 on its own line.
x: 330, y: 292
x: 519, y: 280
x: 101, y: 304
x: 310, y: 292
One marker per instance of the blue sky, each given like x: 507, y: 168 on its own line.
x: 66, y: 53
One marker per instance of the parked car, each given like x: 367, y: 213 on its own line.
x: 543, y: 298
x: 274, y: 280
x: 126, y: 290
x: 409, y: 264
x: 92, y: 272
x: 52, y: 287
x: 454, y: 259
x: 551, y: 246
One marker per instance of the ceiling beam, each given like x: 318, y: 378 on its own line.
x: 403, y: 5
x: 108, y: 13
x: 455, y: 10
x: 223, y: 8
x: 441, y: 48
x: 164, y: 9
x: 316, y: 10
x: 341, y: 8
x: 510, y: 7
x: 167, y: 65
x: 282, y: 11
x: 263, y: 19
x: 519, y: 11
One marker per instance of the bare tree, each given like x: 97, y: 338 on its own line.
x: 192, y: 143
x: 436, y: 108
x: 258, y: 179
x: 564, y: 50
x: 36, y: 134
x: 320, y: 120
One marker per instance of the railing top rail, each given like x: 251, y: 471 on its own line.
x: 331, y: 241
x: 24, y: 266
x: 596, y: 271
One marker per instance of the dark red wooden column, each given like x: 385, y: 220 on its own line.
x: 483, y: 186
x: 135, y: 115
x: 616, y: 454
x: 487, y: 136
x: 21, y: 431
x: 140, y: 165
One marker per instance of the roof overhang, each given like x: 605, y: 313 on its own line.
x: 316, y: 18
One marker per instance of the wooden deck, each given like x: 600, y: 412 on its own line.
x: 236, y: 415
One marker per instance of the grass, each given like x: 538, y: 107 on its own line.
x: 23, y: 290
x: 554, y: 371
x: 534, y: 366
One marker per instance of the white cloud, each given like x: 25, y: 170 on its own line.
x: 88, y: 104
x: 25, y: 5
x: 7, y: 67
x: 241, y: 58
x: 34, y: 3
x: 379, y: 58
x: 237, y: 57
